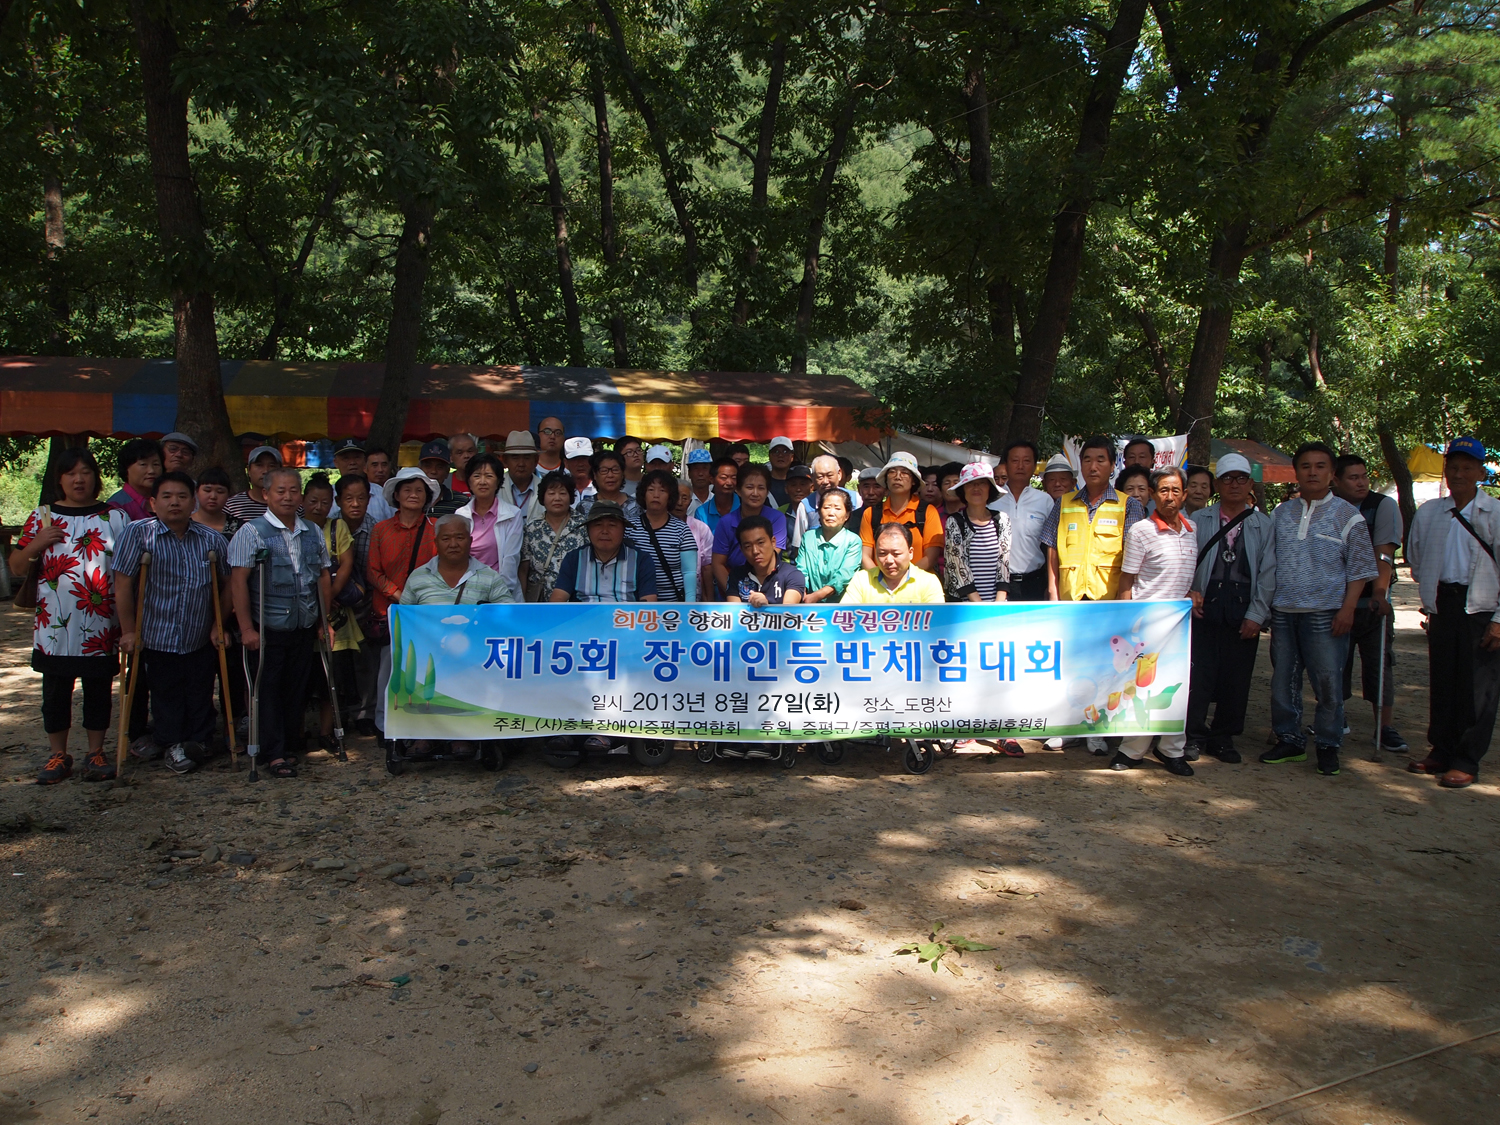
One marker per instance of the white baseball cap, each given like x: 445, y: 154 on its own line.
x: 659, y: 453
x: 1233, y: 463
x: 781, y: 442
x: 578, y: 447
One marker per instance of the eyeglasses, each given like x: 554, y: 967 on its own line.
x: 548, y: 431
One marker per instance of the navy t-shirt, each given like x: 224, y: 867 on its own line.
x: 785, y: 577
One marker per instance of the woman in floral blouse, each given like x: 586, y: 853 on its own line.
x: 76, y: 635
x: 550, y: 536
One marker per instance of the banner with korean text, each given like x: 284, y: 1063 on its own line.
x: 795, y: 673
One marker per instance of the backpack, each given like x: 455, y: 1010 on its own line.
x: 868, y: 513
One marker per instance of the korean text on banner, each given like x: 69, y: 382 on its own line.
x: 804, y: 673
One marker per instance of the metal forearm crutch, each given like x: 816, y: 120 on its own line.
x: 252, y: 742
x: 213, y: 566
x: 132, y: 669
x: 325, y: 650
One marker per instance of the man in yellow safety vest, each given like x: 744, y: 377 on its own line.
x: 1085, y: 538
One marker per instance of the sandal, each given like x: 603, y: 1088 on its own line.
x: 282, y: 767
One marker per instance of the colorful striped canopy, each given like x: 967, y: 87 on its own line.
x: 138, y: 397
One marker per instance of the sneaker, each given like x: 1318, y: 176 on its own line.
x: 1122, y: 761
x: 1328, y: 761
x: 1391, y: 740
x: 1054, y: 743
x: 1284, y: 752
x: 1098, y: 746
x: 1226, y: 754
x: 1192, y: 751
x: 59, y: 767
x: 1174, y: 765
x: 178, y: 760
x: 145, y: 749
x: 98, y: 767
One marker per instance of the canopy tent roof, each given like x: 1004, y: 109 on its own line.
x: 138, y: 397
x: 1270, y: 466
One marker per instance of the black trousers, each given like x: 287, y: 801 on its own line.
x: 1464, y: 682
x: 1365, y: 636
x: 1030, y: 587
x: 286, y: 661
x: 1222, y: 665
x: 57, y: 702
x: 182, y: 694
x: 139, y: 707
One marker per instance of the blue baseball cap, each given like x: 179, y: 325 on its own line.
x: 435, y: 451
x: 700, y: 457
x: 1469, y: 447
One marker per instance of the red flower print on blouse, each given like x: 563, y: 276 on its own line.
x: 94, y: 594
x: 102, y: 644
x: 43, y: 616
x: 89, y: 544
x: 54, y: 566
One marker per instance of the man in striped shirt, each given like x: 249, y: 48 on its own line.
x: 1161, y: 553
x: 1323, y: 560
x: 175, y: 632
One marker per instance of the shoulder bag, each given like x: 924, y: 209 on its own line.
x: 26, y: 593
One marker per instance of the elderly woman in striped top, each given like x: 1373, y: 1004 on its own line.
x: 976, y: 544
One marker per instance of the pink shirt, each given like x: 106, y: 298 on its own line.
x: 483, y: 547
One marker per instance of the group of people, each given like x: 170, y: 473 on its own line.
x: 546, y: 516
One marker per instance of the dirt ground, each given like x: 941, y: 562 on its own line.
x: 714, y: 944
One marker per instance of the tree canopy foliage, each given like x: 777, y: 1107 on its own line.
x: 1270, y: 218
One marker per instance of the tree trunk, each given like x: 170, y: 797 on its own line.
x: 299, y: 267
x: 56, y: 233
x: 573, y: 322
x: 1021, y: 418
x: 669, y: 172
x: 523, y: 329
x: 760, y: 174
x: 413, y: 258
x: 1161, y: 363
x: 808, y: 291
x: 1394, y: 461
x: 608, y: 232
x: 977, y: 118
x: 1195, y: 414
x: 201, y: 412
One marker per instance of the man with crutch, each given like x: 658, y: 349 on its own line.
x: 168, y: 623
x: 279, y: 575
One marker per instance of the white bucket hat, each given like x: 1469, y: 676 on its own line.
x: 976, y: 470
x: 901, y: 460
x: 411, y: 472
x: 1059, y: 464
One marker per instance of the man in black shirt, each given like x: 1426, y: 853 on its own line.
x: 764, y: 579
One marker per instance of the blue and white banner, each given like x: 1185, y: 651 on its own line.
x: 799, y: 673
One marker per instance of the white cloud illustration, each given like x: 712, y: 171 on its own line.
x: 456, y: 619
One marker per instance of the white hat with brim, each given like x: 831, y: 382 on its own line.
x: 1058, y: 464
x: 260, y: 451
x: 901, y: 460
x: 577, y: 447
x: 411, y: 472
x: 520, y: 441
x: 662, y: 453
x: 1233, y: 463
x: 976, y: 470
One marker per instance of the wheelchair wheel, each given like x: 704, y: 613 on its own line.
x: 919, y: 756
x: 651, y: 752
x: 490, y: 755
x: 706, y: 752
x: 830, y: 753
x: 788, y: 757
x: 561, y: 753
x: 947, y: 747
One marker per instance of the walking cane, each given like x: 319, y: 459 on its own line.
x: 132, y: 670
x: 325, y: 650
x: 252, y: 743
x: 1380, y: 690
x: 213, y: 565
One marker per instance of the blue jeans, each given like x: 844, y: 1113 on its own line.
x: 1305, y: 641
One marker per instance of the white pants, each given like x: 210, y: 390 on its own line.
x: 1171, y: 745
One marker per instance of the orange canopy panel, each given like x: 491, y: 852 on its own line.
x: 44, y: 395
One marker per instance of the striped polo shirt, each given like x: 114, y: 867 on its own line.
x: 178, y: 611
x: 1321, y: 547
x: 1162, y: 559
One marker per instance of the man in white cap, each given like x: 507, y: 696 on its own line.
x: 1058, y: 477
x: 177, y: 453
x: 578, y: 456
x: 781, y: 455
x: 251, y: 504
x: 632, y: 453
x: 1232, y: 588
x: 520, y: 487
x: 900, y: 479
